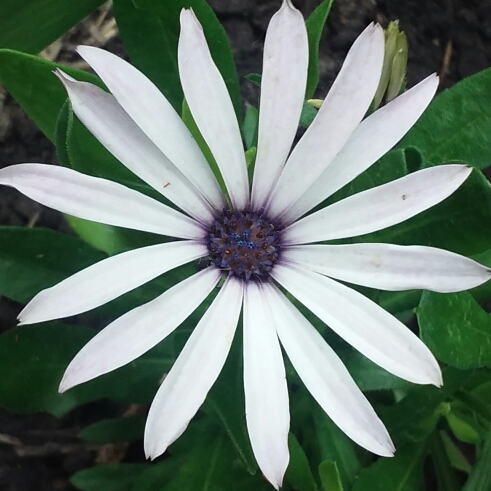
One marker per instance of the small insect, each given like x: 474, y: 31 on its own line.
x: 166, y: 184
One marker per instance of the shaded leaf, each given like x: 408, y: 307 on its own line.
x: 35, y: 358
x: 34, y: 259
x: 403, y: 472
x: 114, y: 430
x: 455, y: 328
x: 480, y: 476
x: 315, y: 25
x: 329, y: 476
x: 456, y: 125
x: 31, y: 25
x: 299, y: 474
x: 150, y: 31
x: 31, y: 82
x: 336, y: 447
x: 111, y: 477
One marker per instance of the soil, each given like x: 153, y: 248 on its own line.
x: 451, y: 37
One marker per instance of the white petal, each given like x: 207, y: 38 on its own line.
x: 379, y: 207
x: 343, y: 109
x: 108, y: 279
x: 266, y: 394
x: 139, y: 330
x: 99, y: 200
x: 156, y: 117
x: 286, y: 58
x: 391, y: 267
x: 185, y: 387
x: 327, y: 379
x: 363, y: 324
x: 111, y: 125
x: 211, y: 107
x: 372, y: 138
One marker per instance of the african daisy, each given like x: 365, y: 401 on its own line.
x: 258, y: 242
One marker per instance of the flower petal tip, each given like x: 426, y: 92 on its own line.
x: 188, y: 18
x: 64, y: 78
x: 289, y: 4
x: 64, y: 386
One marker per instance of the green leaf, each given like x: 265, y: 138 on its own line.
x: 456, y: 329
x: 315, y: 25
x: 403, y: 472
x: 111, y: 477
x: 329, y: 476
x: 34, y: 259
x: 445, y: 475
x: 34, y: 358
x: 308, y: 115
x: 299, y: 474
x: 369, y: 376
x: 480, y: 477
x: 336, y: 447
x: 463, y: 427
x: 250, y: 126
x: 210, y: 465
x: 152, y: 45
x: 151, y: 32
x: 456, y: 457
x: 31, y: 25
x: 114, y: 430
x: 413, y: 418
x: 457, y: 124
x: 31, y: 82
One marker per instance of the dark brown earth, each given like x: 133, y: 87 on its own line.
x: 451, y: 37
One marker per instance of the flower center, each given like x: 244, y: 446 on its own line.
x: 245, y: 243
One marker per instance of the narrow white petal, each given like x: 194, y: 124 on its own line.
x: 108, y: 279
x: 266, y: 393
x: 327, y: 379
x: 379, y: 207
x: 194, y: 372
x: 391, y: 267
x: 372, y: 138
x: 139, y: 330
x: 362, y: 323
x: 156, y: 117
x: 343, y: 109
x: 211, y: 107
x: 99, y: 200
x: 111, y: 125
x: 286, y: 58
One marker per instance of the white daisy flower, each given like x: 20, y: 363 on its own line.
x: 262, y: 242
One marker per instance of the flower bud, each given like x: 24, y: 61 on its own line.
x: 394, y: 68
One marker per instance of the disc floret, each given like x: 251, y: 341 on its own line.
x: 247, y: 244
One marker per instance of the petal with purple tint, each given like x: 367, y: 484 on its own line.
x: 266, y: 393
x: 391, y: 267
x: 185, y: 387
x: 139, y: 330
x: 379, y: 207
x: 211, y: 107
x: 98, y: 200
x: 283, y: 83
x: 343, y: 109
x: 362, y: 323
